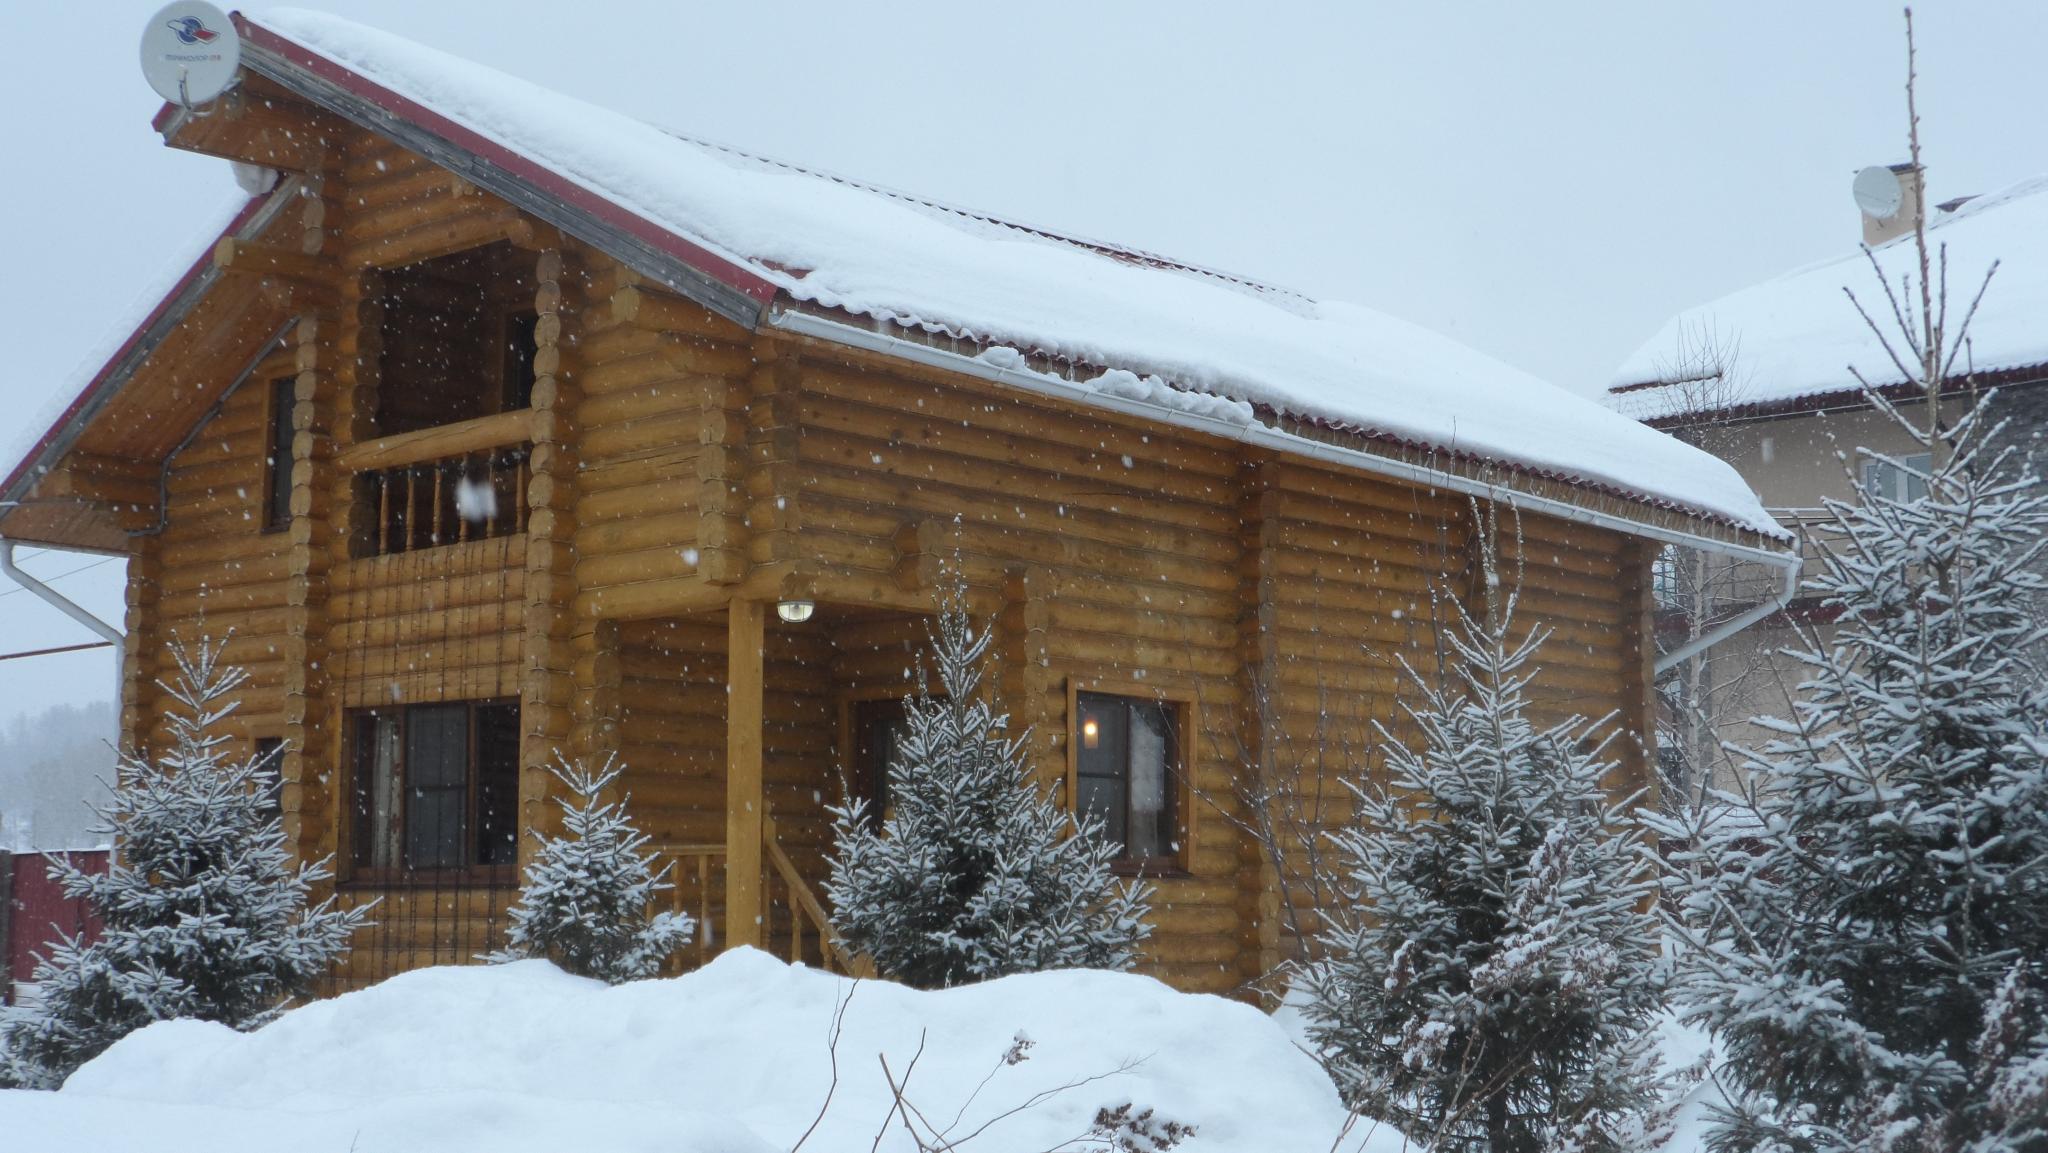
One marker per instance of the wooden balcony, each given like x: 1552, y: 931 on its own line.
x: 439, y: 486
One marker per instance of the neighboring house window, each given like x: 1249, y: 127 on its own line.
x: 270, y: 754
x: 1882, y: 478
x: 435, y: 786
x: 1126, y: 769
x: 277, y: 457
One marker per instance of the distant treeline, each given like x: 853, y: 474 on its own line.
x: 52, y: 764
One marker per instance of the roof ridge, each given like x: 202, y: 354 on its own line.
x: 1107, y: 248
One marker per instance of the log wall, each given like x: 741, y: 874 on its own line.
x: 680, y: 461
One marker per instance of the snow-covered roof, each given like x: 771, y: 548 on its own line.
x: 1795, y: 338
x: 807, y: 240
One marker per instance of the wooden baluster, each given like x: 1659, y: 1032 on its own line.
x: 704, y: 939
x: 461, y: 484
x: 440, y: 470
x: 523, y: 473
x: 796, y: 930
x: 490, y: 522
x: 383, y: 480
x: 412, y: 521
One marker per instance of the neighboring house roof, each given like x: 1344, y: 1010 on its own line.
x: 755, y: 240
x: 1789, y: 344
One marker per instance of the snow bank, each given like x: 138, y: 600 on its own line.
x: 730, y: 1059
x: 1797, y: 335
x: 904, y: 260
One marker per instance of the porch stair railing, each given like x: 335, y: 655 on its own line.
x: 697, y: 873
x: 804, y: 906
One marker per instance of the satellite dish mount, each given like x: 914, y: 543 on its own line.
x: 191, y: 53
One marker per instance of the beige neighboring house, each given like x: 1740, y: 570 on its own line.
x: 1767, y: 378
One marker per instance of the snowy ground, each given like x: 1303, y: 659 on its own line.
x: 731, y: 1059
x: 734, y: 1058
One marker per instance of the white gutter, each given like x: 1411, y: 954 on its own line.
x: 807, y: 324
x: 1788, y: 564
x: 62, y: 604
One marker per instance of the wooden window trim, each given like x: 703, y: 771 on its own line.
x: 1187, y: 718
x: 401, y: 876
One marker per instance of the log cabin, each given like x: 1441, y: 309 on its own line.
x: 495, y: 426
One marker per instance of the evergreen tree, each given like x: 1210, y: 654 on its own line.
x: 974, y: 873
x: 1857, y: 910
x: 1493, y: 982
x: 587, y: 894
x: 203, y: 912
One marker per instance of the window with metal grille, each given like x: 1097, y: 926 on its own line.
x: 435, y: 787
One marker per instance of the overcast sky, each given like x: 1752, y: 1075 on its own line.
x: 1544, y: 182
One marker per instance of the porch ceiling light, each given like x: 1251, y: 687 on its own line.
x: 795, y: 612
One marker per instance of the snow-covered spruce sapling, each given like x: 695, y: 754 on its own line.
x: 974, y: 872
x: 1856, y: 906
x: 1490, y: 983
x: 1858, y: 910
x: 588, y: 895
x: 204, y: 913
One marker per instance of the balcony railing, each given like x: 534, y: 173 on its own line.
x: 441, y: 486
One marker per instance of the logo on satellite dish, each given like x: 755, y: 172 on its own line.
x: 191, y: 30
x: 191, y: 53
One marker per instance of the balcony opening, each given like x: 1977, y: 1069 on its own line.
x: 458, y: 339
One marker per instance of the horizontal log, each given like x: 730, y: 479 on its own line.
x: 480, y: 434
x: 245, y: 257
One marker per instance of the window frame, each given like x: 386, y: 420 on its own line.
x: 280, y: 397
x: 404, y: 874
x: 1912, y: 467
x: 1185, y: 711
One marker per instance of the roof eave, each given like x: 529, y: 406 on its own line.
x: 1841, y: 399
x: 729, y: 289
x: 251, y: 221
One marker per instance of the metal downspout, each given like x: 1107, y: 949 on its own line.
x: 63, y: 604
x: 1729, y: 628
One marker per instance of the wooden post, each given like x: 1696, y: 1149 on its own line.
x: 744, y: 799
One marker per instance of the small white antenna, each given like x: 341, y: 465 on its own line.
x: 191, y: 53
x: 1878, y: 193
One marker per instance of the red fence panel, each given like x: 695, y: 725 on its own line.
x: 35, y: 913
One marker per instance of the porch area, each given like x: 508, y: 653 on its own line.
x: 737, y: 730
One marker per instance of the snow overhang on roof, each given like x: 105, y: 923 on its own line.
x: 1797, y: 343
x: 758, y: 242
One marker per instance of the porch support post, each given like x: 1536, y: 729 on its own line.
x: 744, y: 799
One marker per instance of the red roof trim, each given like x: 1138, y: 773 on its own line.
x: 99, y: 379
x: 1838, y: 399
x: 659, y: 237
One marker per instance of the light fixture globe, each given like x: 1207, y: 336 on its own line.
x: 795, y: 612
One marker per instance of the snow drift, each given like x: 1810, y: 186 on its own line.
x: 734, y: 1058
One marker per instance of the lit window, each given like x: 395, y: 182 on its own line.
x: 1127, y: 756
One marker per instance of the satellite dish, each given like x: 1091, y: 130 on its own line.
x: 190, y: 53
x: 1878, y: 193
